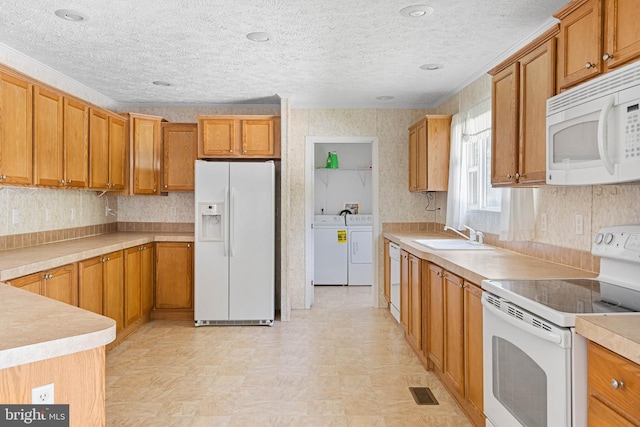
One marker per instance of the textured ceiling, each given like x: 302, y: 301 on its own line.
x: 329, y: 53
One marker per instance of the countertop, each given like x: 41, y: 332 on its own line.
x: 36, y: 328
x: 21, y: 262
x: 476, y: 266
x: 619, y: 333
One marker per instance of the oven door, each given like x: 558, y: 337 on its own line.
x: 527, y: 366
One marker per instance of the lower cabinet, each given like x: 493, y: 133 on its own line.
x: 101, y: 286
x: 613, y: 387
x: 58, y: 283
x: 138, y: 282
x: 454, y: 337
x: 174, y: 276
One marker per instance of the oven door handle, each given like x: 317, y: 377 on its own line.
x: 545, y: 335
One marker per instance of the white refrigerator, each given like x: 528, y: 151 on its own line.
x: 234, y: 243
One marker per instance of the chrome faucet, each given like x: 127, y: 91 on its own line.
x: 474, y: 236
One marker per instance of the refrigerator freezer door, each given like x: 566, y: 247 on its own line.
x: 211, y: 263
x: 252, y: 241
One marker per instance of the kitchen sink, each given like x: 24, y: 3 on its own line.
x: 453, y: 244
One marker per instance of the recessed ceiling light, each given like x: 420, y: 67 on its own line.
x: 161, y: 83
x: 430, y: 67
x: 71, y: 15
x: 384, y: 97
x: 259, y: 36
x: 416, y: 11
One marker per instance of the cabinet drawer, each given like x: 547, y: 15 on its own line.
x: 600, y: 415
x: 605, y: 366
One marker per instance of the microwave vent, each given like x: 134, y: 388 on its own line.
x: 608, y: 84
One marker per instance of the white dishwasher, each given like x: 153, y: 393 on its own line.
x: 394, y: 264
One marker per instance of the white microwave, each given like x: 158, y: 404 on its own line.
x: 593, y: 131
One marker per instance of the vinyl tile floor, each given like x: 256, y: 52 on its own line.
x: 342, y: 363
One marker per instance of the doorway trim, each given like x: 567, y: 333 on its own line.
x: 311, y: 141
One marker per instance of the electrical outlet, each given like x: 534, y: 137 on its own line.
x: 42, y: 395
x: 15, y: 214
x: 47, y: 215
x: 73, y: 214
x: 543, y: 222
x: 173, y: 211
x: 106, y: 211
x: 579, y: 224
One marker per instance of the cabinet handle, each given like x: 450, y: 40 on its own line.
x: 518, y: 176
x: 166, y: 186
x: 188, y: 245
x: 3, y: 176
x: 231, y: 151
x: 607, y: 57
x: 615, y: 384
x: 44, y: 276
x: 62, y: 181
x: 244, y: 152
x: 154, y: 190
x: 589, y: 65
x: 509, y: 176
x: 69, y: 181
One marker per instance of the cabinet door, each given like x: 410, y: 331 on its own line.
x: 404, y: 289
x: 146, y: 277
x: 387, y: 273
x: 473, y: 375
x: 504, y: 126
x: 454, y: 332
x: 90, y: 288
x: 621, y: 32
x: 113, y: 279
x: 421, y: 156
x: 132, y: 285
x: 117, y: 153
x: 415, y: 303
x: 98, y: 149
x: 62, y: 284
x: 435, y: 316
x: 216, y: 138
x: 16, y: 161
x: 259, y: 138
x: 31, y: 283
x: 174, y: 275
x: 145, y: 149
x: 537, y: 84
x: 76, y: 144
x: 437, y: 156
x: 580, y: 44
x: 179, y: 145
x: 413, y: 159
x: 48, y: 153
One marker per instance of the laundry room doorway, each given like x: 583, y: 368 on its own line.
x: 341, y: 201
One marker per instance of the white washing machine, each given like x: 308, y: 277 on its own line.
x: 330, y: 250
x: 360, y: 237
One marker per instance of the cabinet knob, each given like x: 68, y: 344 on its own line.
x: 166, y: 186
x: 188, y: 245
x: 231, y: 151
x: 44, y: 276
x: 518, y: 176
x: 615, y: 384
x: 108, y: 258
x: 62, y: 181
x: 607, y: 57
x: 589, y: 65
x: 509, y: 176
x: 154, y: 190
x: 244, y: 152
x: 69, y: 181
x: 3, y: 176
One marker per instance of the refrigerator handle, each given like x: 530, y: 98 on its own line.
x: 226, y: 234
x: 231, y: 221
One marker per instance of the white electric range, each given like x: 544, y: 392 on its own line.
x: 534, y: 362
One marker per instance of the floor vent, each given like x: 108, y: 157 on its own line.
x: 423, y: 396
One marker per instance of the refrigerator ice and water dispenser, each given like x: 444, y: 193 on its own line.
x: 210, y: 217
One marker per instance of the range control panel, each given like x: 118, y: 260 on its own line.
x: 620, y: 242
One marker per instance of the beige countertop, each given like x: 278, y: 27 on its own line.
x: 476, y: 266
x: 35, y: 328
x: 619, y: 333
x: 21, y: 262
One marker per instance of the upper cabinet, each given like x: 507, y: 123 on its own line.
x: 238, y: 136
x: 429, y: 154
x: 60, y: 140
x: 107, y: 150
x: 179, y: 150
x: 519, y: 91
x: 144, y: 147
x: 15, y: 131
x: 596, y: 36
